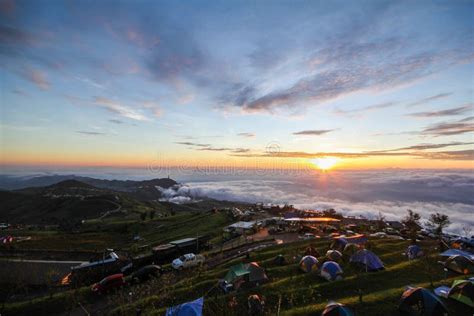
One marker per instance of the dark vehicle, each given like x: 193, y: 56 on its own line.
x: 94, y: 271
x: 111, y: 282
x: 146, y: 273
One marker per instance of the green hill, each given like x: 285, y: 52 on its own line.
x: 289, y: 290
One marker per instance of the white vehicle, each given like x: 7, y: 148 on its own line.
x: 307, y: 236
x: 188, y: 260
x: 379, y: 234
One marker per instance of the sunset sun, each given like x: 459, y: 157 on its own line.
x: 324, y: 163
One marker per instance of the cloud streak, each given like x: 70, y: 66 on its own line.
x: 459, y: 127
x: 314, y: 132
x: 117, y: 108
x: 448, y: 112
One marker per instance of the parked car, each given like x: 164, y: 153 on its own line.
x: 186, y: 261
x: 145, y: 273
x: 111, y: 282
x: 307, y: 236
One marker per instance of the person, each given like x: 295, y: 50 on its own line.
x: 255, y: 304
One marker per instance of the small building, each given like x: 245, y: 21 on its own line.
x: 241, y: 227
x: 395, y: 225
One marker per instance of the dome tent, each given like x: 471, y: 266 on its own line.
x: 336, y: 309
x: 368, y: 260
x: 463, y: 291
x: 414, y: 251
x: 331, y: 271
x: 279, y: 260
x: 420, y: 301
x: 459, y: 264
x: 308, y: 264
x: 334, y: 255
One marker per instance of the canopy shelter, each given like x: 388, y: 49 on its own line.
x: 414, y: 251
x: 336, y: 309
x: 367, y: 260
x: 457, y: 252
x: 308, y: 264
x: 420, y: 301
x: 249, y: 273
x: 331, y: 271
x: 459, y: 264
x: 193, y: 308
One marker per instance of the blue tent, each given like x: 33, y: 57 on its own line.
x: 308, y: 264
x: 331, y: 271
x: 414, y: 251
x: 193, y: 308
x: 457, y: 252
x: 368, y: 260
x: 336, y: 309
x: 420, y: 301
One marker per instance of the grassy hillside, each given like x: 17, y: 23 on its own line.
x: 306, y: 294
x: 289, y: 289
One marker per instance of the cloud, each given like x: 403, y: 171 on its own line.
x: 116, y: 121
x: 209, y: 147
x: 431, y: 98
x: 428, y: 146
x: 368, y: 108
x: 452, y: 128
x: 90, y: 133
x: 315, y: 132
x: 366, y: 193
x: 193, y: 144
x: 248, y: 135
x: 117, y: 108
x: 37, y: 77
x: 451, y: 155
x: 448, y: 112
x: 416, y: 151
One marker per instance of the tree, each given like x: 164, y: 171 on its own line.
x: 438, y: 221
x: 380, y: 221
x: 467, y: 231
x: 143, y: 216
x: 412, y: 222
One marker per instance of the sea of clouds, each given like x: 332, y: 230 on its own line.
x: 366, y: 193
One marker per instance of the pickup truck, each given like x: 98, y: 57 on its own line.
x: 188, y: 260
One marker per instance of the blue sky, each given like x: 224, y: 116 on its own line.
x: 373, y: 83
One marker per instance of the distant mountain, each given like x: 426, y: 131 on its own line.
x: 143, y: 190
x: 72, y: 198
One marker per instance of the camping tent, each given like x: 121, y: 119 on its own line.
x: 336, y: 309
x: 368, y: 260
x: 419, y: 301
x: 338, y: 243
x: 334, y: 255
x: 250, y: 273
x: 463, y: 291
x: 308, y: 263
x: 457, y: 252
x: 414, y: 251
x: 193, y: 308
x: 351, y: 249
x: 459, y: 264
x: 331, y: 271
x: 279, y: 260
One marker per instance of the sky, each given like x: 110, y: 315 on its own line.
x: 246, y: 84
